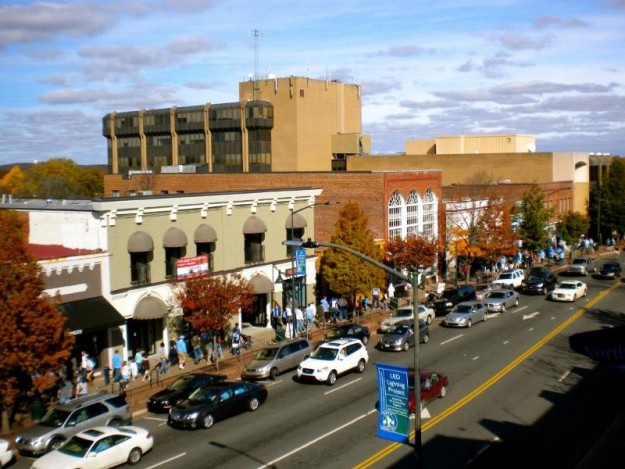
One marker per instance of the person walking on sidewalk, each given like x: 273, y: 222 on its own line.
x: 236, y: 341
x: 117, y: 367
x: 181, y: 345
x: 162, y: 358
x: 196, y: 343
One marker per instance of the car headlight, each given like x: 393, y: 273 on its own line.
x: 449, y: 304
x: 193, y: 415
x: 462, y: 320
x: 322, y: 369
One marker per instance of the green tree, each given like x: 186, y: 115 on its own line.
x: 571, y: 226
x: 535, y: 217
x: 33, y: 335
x: 61, y: 178
x: 607, y: 203
x: 347, y: 274
x: 208, y: 302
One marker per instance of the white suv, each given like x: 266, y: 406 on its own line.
x: 510, y: 279
x: 333, y: 359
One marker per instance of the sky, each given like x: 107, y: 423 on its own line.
x: 554, y: 69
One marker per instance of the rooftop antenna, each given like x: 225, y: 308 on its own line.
x: 255, y: 33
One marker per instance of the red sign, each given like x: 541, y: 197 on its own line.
x: 189, y: 267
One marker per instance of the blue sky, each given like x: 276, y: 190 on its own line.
x: 553, y: 69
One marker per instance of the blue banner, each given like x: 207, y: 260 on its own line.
x: 393, y: 393
x: 300, y: 261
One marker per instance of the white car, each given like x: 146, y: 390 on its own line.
x: 99, y: 447
x: 406, y: 313
x: 6, y: 453
x: 333, y: 359
x: 511, y: 279
x: 569, y: 290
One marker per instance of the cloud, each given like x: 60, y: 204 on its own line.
x: 516, y: 41
x: 402, y: 51
x: 544, y: 87
x: 490, y: 67
x: 373, y: 87
x: 47, y: 21
x: 554, y: 21
x: 133, y: 97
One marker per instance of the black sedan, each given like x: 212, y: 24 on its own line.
x: 217, y: 401
x: 179, y: 390
x: 610, y: 270
x: 348, y: 331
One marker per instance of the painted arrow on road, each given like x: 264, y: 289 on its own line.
x: 530, y: 316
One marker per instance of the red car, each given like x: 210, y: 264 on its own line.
x: 433, y: 385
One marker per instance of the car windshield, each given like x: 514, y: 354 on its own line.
x: 610, y: 267
x: 180, y: 383
x: 76, y: 446
x: 267, y: 353
x: 54, y: 418
x: 463, y: 309
x: 535, y: 278
x: 204, y: 395
x: 504, y: 276
x: 497, y: 294
x: 403, y: 313
x: 449, y: 294
x: 325, y: 353
x: 579, y: 261
x: 567, y: 286
x: 400, y: 329
x: 337, y: 333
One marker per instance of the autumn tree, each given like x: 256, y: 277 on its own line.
x: 571, y: 226
x: 12, y: 182
x: 61, y: 178
x: 347, y: 274
x: 208, y: 302
x: 34, y: 340
x: 534, y: 215
x: 607, y: 203
x: 411, y: 253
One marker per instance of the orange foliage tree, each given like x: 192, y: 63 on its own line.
x: 412, y: 252
x: 34, y: 339
x: 208, y: 302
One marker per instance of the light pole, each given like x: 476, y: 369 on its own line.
x: 414, y: 280
x: 293, y: 272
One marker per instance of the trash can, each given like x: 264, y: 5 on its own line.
x: 280, y: 334
x: 393, y: 303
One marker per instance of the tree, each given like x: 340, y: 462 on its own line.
x: 535, y: 216
x: 208, y: 302
x: 12, y: 182
x: 571, y: 226
x: 607, y: 203
x: 413, y: 252
x: 61, y: 178
x: 35, y: 343
x: 346, y: 274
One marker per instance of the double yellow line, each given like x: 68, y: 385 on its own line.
x: 488, y: 383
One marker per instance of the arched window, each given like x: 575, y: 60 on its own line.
x: 396, y: 208
x: 412, y: 214
x: 430, y: 228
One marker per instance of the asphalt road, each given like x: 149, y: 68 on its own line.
x: 518, y: 395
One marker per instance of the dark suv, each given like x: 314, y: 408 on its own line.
x: 451, y: 298
x: 540, y: 280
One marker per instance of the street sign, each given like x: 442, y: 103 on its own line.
x: 393, y: 394
x: 300, y: 261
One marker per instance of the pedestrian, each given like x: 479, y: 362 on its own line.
x: 311, y: 311
x: 181, y: 346
x: 139, y: 361
x: 391, y: 290
x: 65, y: 390
x: 117, y: 366
x: 375, y: 297
x: 162, y: 359
x: 342, y: 308
x: 299, y: 319
x: 325, y: 308
x: 235, y: 345
x: 196, y: 343
x: 90, y: 369
x: 81, y: 388
x: 83, y: 364
x: 145, y: 366
x: 173, y: 353
x: 133, y: 368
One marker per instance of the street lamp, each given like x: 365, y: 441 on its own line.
x: 293, y: 271
x: 414, y: 280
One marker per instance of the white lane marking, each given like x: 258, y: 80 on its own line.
x: 341, y: 387
x: 167, y: 460
x: 453, y: 338
x: 475, y: 358
x: 563, y: 377
x: 530, y: 329
x: 519, y: 309
x: 312, y: 442
x: 155, y: 418
x: 506, y: 342
x: 273, y: 383
x: 530, y: 316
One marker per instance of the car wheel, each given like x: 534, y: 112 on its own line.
x: 443, y: 392
x: 208, y: 421
x: 503, y: 307
x: 485, y: 317
x: 365, y: 340
x: 253, y: 404
x: 428, y: 320
x: 516, y: 303
x: 406, y: 346
x: 361, y: 366
x: 331, y: 378
x: 116, y: 423
x: 273, y: 374
x: 55, y: 444
x: 135, y: 456
x: 585, y: 292
x: 426, y: 338
x: 575, y: 297
x: 469, y: 323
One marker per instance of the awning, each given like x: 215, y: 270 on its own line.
x: 90, y: 315
x: 205, y: 234
x: 150, y: 307
x: 298, y: 221
x: 174, y: 238
x: 140, y: 242
x: 254, y: 225
x: 261, y: 284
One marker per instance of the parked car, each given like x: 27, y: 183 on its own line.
x: 216, y: 401
x: 99, y: 447
x: 569, y: 290
x: 6, y: 453
x: 499, y: 301
x: 466, y: 314
x: 406, y: 313
x: 179, y: 390
x: 65, y: 420
x: 348, y: 331
x: 402, y: 337
x: 433, y: 386
x: 511, y: 279
x: 482, y: 290
x: 582, y: 266
x: 610, y: 270
x: 333, y: 359
x: 275, y: 359
x: 539, y: 280
x: 450, y: 298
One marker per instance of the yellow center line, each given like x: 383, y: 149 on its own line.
x: 488, y: 383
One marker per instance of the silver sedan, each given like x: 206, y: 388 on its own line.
x: 465, y: 314
x: 499, y: 301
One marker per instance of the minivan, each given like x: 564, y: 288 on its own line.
x: 275, y: 359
